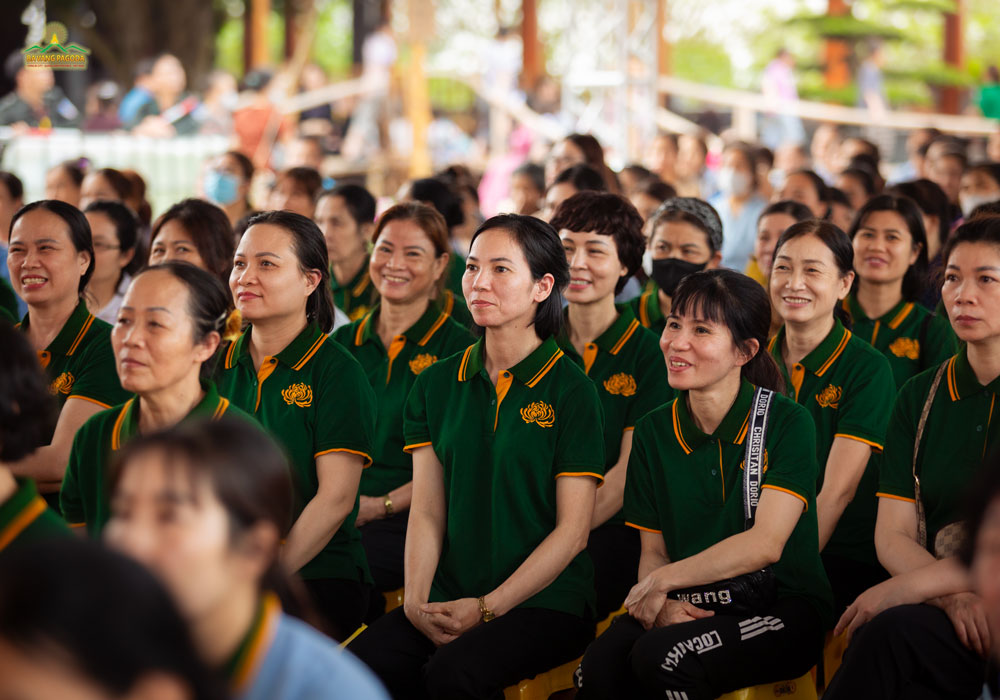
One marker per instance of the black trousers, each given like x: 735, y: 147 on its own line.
x: 480, y: 663
x: 614, y: 548
x: 384, y: 541
x: 910, y: 651
x: 849, y: 579
x: 341, y: 604
x: 703, y: 658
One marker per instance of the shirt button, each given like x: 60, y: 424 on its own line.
x: 506, y: 374
x: 493, y: 402
x: 979, y: 428
x: 715, y: 472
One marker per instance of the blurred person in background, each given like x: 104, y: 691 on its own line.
x: 346, y: 217
x: 219, y: 101
x: 11, y: 199
x: 857, y: 184
x: 172, y: 111
x: 661, y: 158
x: 738, y: 204
x: 807, y: 187
x: 576, y: 178
x: 140, y: 93
x: 578, y: 149
x: 778, y: 87
x: 824, y: 148
x: 226, y: 184
x: 980, y: 184
x: 649, y: 194
x: 196, y: 232
x: 917, y: 141
x: 63, y: 181
x: 115, y: 231
x: 935, y: 210
x: 304, y: 152
x: 946, y: 162
x: 527, y: 190
x: 36, y: 100
x: 841, y: 213
x: 255, y: 114
x: 694, y: 179
x: 788, y: 158
x: 988, y: 97
x: 765, y: 164
x: 295, y: 190
x: 101, y: 109
x: 106, y: 184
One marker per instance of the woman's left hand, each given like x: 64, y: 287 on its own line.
x: 456, y: 616
x: 646, y: 599
x: 876, y: 599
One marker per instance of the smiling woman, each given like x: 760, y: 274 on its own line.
x: 50, y: 260
x: 168, y: 327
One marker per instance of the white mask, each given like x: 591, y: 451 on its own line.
x: 969, y: 202
x: 647, y: 262
x: 734, y: 182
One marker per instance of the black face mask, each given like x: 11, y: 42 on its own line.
x: 668, y: 273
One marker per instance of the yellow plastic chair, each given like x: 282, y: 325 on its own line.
x: 833, y: 655
x: 393, y: 599
x: 803, y: 688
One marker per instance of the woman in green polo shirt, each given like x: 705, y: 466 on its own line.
x: 169, y: 327
x: 346, y: 216
x: 402, y: 336
x: 602, y: 236
x: 848, y: 389
x: 890, y: 260
x: 50, y: 260
x: 312, y: 396
x: 686, y: 236
x: 196, y: 232
x: 684, y: 493
x: 924, y: 629
x: 507, y: 454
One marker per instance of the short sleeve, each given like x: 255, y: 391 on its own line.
x: 940, y: 342
x: 98, y: 379
x: 640, y: 500
x: 896, y: 472
x: 416, y: 431
x: 345, y: 409
x: 791, y: 453
x: 653, y: 388
x: 865, y: 404
x: 70, y: 493
x: 580, y: 440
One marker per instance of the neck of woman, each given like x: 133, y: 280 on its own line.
x: 878, y: 298
x: 219, y: 633
x: 271, y: 336
x: 507, y: 346
x: 984, y: 357
x: 170, y: 405
x: 802, y: 338
x: 665, y: 303
x: 101, y: 292
x: 8, y: 485
x: 736, y: 202
x: 236, y: 211
x: 347, y: 269
x: 710, y: 405
x: 397, y: 318
x: 48, y: 319
x: 588, y: 321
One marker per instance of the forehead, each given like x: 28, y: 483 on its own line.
x: 885, y: 219
x: 173, y: 230
x: 403, y: 230
x: 799, y: 182
x: 580, y: 237
x: 971, y: 255
x: 265, y: 237
x: 680, y: 233
x: 156, y: 288
x: 39, y: 223
x: 100, y: 223
x: 776, y: 221
x: 153, y: 473
x: 806, y: 247
x: 332, y: 205
x: 496, y: 243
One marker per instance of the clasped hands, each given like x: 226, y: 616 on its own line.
x: 648, y: 603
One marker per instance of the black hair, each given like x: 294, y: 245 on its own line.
x: 672, y: 210
x: 306, y: 179
x: 656, y: 188
x: 986, y: 209
x: 835, y: 195
x: 13, y: 184
x: 765, y: 156
x: 984, y: 229
x: 28, y: 410
x: 639, y: 172
x: 607, y: 215
x: 593, y: 155
x: 359, y: 202
x: 979, y: 496
x: 534, y: 172
x: 835, y: 240
x: 119, y: 182
x: 815, y: 180
x: 544, y: 252
x: 210, y: 232
x: 114, y: 623
x: 74, y: 170
x: 126, y: 230
x: 440, y: 195
x: 738, y: 302
x: 76, y: 222
x: 310, y: 249
x: 248, y: 472
x: 244, y: 163
x: 871, y: 149
x: 13, y: 65
x: 582, y: 177
x: 143, y: 67
x: 796, y: 210
x: 916, y: 274
x: 209, y: 301
x: 863, y: 176
x: 932, y: 201
x: 988, y: 168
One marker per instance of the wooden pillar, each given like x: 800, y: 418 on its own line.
x: 255, y: 34
x: 953, y: 56
x: 417, y: 96
x: 838, y: 70
x: 291, y: 9
x: 663, y: 46
x: 533, y: 59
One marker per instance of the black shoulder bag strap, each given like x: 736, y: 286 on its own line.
x: 753, y: 470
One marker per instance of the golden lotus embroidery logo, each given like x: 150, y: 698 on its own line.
x: 299, y: 394
x: 906, y: 347
x: 620, y: 384
x: 829, y: 397
x: 421, y: 362
x: 359, y: 312
x: 63, y: 384
x: 539, y: 412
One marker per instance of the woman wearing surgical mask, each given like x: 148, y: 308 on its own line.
x: 738, y: 204
x: 980, y: 185
x: 686, y: 236
x: 227, y: 184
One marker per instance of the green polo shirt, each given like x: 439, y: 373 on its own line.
x: 80, y: 362
x: 646, y: 308
x: 314, y: 399
x: 84, y: 498
x: 958, y: 435
x: 687, y: 485
x: 847, y: 387
x: 358, y: 296
x: 454, y: 305
x: 455, y: 272
x: 911, y: 337
x: 26, y: 518
x: 502, y: 448
x: 8, y: 301
x: 392, y: 373
x: 627, y: 367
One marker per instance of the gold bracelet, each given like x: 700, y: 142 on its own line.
x: 388, y: 506
x: 486, y: 613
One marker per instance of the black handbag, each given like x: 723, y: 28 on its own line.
x: 750, y: 593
